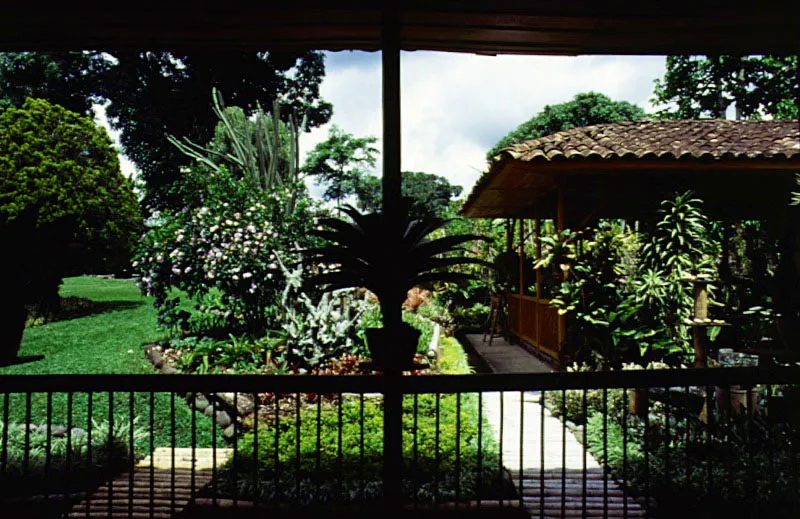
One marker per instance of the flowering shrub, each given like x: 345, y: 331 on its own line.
x: 220, y: 251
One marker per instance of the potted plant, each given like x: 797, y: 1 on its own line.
x: 389, y: 256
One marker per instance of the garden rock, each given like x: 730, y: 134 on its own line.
x: 241, y: 402
x: 167, y: 369
x: 77, y: 433
x: 209, y: 411
x: 223, y: 419
x: 59, y: 431
x: 229, y: 431
x: 200, y: 403
x: 155, y: 357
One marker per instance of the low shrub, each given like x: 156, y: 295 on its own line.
x: 320, y: 461
x: 453, y: 360
x: 70, y: 463
x: 334, y: 452
x: 571, y: 402
x: 740, y: 467
x: 235, y: 355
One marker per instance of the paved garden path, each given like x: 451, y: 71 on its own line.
x: 549, y: 463
x: 161, y: 492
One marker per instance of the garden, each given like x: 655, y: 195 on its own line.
x: 241, y: 279
x: 248, y: 274
x: 629, y: 299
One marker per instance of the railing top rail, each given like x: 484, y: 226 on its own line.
x: 410, y: 384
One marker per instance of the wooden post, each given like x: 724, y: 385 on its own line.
x: 521, y: 253
x: 700, y: 332
x: 521, y: 256
x: 392, y: 397
x: 560, y: 217
x: 537, y: 304
x: 509, y: 234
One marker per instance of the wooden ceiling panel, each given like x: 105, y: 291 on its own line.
x: 479, y: 26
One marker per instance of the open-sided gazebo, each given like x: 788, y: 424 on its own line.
x: 741, y: 169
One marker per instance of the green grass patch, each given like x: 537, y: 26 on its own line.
x: 108, y: 341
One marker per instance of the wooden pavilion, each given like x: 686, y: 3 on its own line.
x: 741, y: 169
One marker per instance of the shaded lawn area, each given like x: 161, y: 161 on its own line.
x: 108, y: 341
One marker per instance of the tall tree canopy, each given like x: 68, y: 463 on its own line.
x: 698, y: 86
x: 151, y: 94
x: 64, y: 208
x: 340, y: 162
x: 428, y: 194
x: 584, y: 109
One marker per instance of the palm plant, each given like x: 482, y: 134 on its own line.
x: 390, y: 256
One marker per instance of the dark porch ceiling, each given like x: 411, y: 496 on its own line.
x: 479, y: 26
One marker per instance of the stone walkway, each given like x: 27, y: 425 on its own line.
x: 548, y: 465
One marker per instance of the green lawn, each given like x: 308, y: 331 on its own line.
x: 108, y: 341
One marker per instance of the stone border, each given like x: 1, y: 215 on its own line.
x: 229, y: 410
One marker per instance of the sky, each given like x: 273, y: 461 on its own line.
x: 455, y: 107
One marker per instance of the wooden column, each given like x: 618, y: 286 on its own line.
x: 392, y: 397
x: 536, y: 322
x: 521, y: 254
x: 560, y: 223
x: 509, y: 234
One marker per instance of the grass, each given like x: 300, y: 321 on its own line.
x: 109, y: 341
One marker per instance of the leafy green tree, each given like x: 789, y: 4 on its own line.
x: 64, y: 207
x: 428, y: 194
x: 152, y: 94
x: 705, y: 86
x: 584, y: 109
x: 68, y: 79
x: 339, y: 163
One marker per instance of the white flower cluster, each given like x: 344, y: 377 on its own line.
x: 233, y: 251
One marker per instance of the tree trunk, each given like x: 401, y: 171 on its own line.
x: 12, y: 325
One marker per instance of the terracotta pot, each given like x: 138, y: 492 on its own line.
x: 403, y: 359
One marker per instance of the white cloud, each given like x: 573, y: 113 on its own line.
x: 456, y: 106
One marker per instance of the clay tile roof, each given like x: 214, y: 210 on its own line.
x: 653, y: 140
x: 665, y: 140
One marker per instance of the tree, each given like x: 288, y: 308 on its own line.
x: 152, y: 94
x: 700, y: 86
x: 64, y: 208
x: 339, y: 163
x: 428, y: 194
x: 68, y: 79
x: 584, y: 109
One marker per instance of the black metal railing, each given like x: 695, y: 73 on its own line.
x: 615, y: 444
